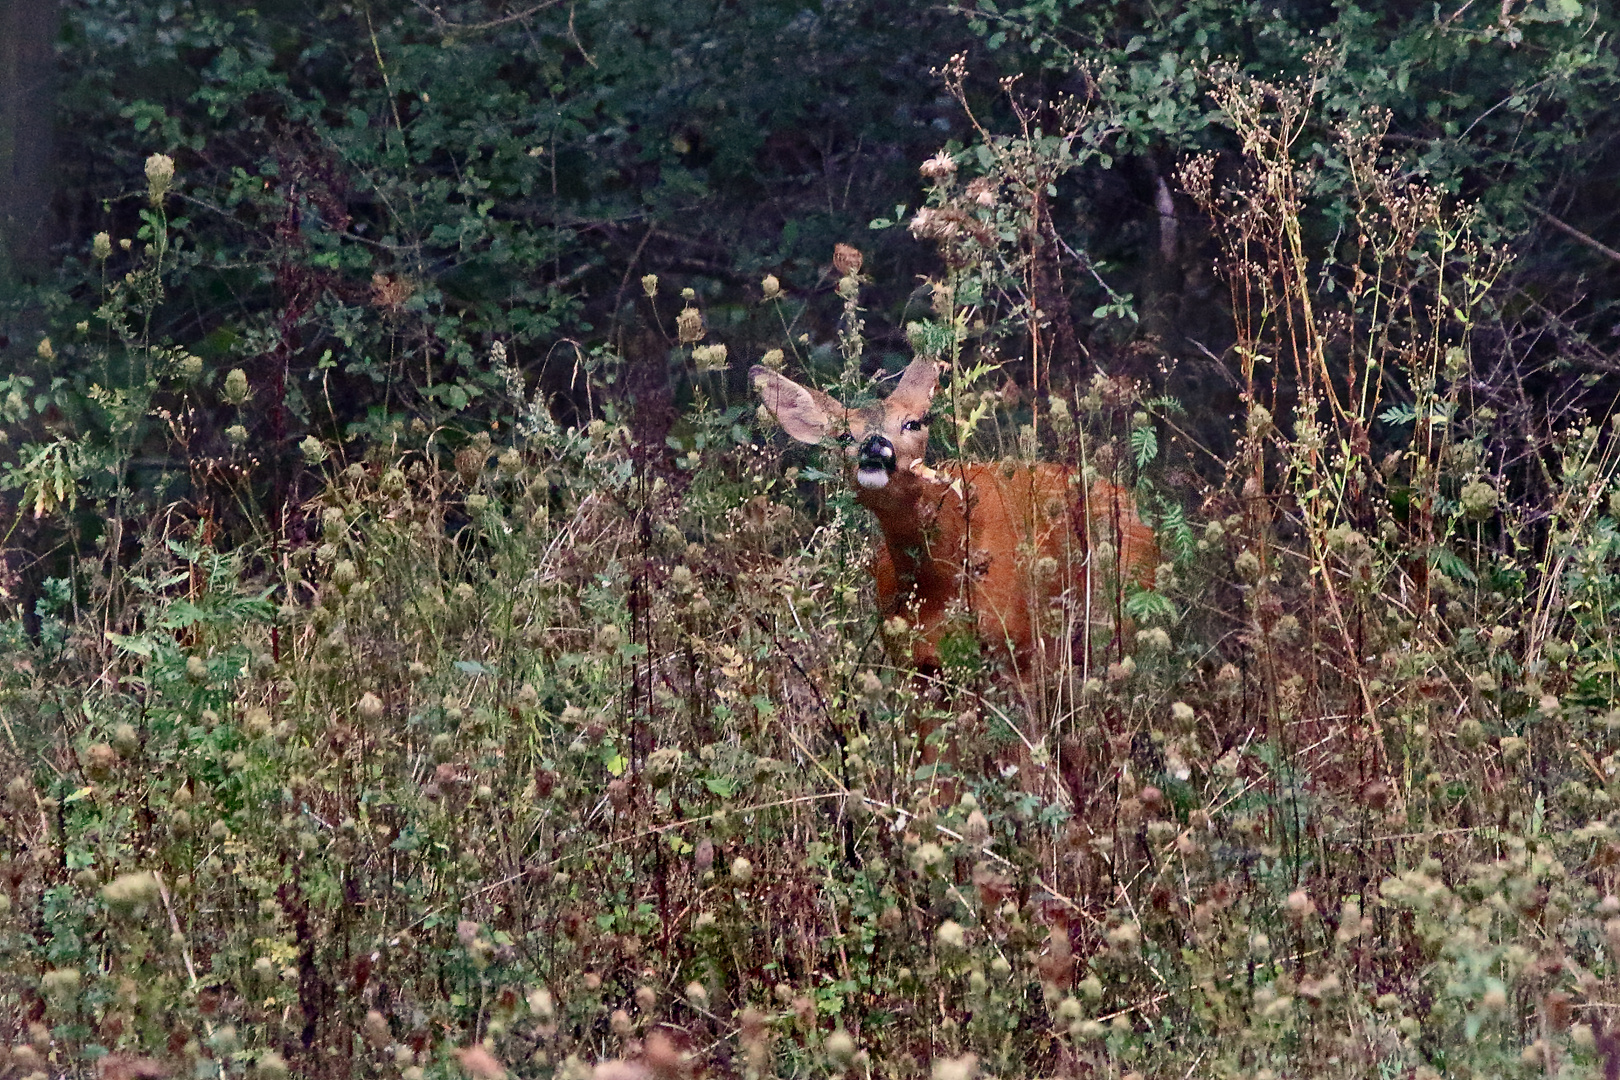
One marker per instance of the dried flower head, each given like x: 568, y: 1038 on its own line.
x: 709, y: 358
x: 480, y: 1064
x: 1478, y: 500
x: 128, y: 893
x: 389, y: 293
x: 689, y: 326
x: 159, y: 176
x: 965, y: 1067
x: 236, y: 387
x: 942, y: 166
x: 847, y: 260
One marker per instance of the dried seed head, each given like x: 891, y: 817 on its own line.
x: 771, y: 287
x: 942, y: 166
x: 375, y: 1029
x: 847, y: 260
x: 976, y: 830
x: 927, y: 857
x: 1478, y: 500
x: 125, y: 739
x: 159, y: 176
x: 1127, y: 935
x: 1155, y: 640
x: 649, y: 285
x: 130, y: 893
x: 709, y: 358
x: 61, y: 985
x: 663, y: 1057
x: 313, y: 450
x: 689, y: 326
x: 840, y: 1048
x: 965, y: 1067
x: 236, y: 387
x: 100, y: 759
x: 478, y: 1063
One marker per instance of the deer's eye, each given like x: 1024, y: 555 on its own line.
x: 913, y: 425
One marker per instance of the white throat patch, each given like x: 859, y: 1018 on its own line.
x: 872, y: 479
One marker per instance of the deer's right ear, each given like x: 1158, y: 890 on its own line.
x: 805, y: 414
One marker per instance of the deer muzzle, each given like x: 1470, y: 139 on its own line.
x: 874, y: 463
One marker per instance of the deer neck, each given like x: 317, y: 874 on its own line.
x: 916, y: 516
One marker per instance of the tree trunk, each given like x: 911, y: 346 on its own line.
x: 28, y: 30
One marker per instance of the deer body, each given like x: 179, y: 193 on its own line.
x: 1008, y: 549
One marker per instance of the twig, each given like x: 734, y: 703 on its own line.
x: 446, y: 25
x: 174, y: 923
x: 1570, y: 230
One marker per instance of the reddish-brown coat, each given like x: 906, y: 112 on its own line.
x: 987, y: 560
x: 973, y: 537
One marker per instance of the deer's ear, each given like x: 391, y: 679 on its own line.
x: 807, y: 415
x: 915, y: 391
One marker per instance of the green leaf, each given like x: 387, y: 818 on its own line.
x: 721, y: 786
x: 135, y: 644
x: 1144, y: 444
x: 1398, y: 414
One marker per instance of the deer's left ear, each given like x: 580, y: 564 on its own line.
x: 915, y: 391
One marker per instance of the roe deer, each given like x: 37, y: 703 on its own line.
x: 1011, y: 546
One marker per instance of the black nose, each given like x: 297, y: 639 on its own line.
x: 876, y: 453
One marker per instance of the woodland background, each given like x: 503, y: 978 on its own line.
x: 419, y: 656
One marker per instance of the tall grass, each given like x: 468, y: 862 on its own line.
x: 552, y: 758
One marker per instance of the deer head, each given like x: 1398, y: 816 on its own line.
x: 880, y: 440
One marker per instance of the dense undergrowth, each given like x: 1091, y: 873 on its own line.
x: 552, y: 753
